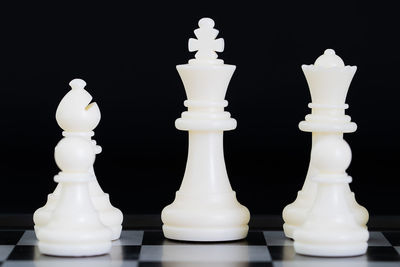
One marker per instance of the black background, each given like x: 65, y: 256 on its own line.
x: 127, y: 55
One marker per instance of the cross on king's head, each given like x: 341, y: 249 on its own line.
x: 206, y: 45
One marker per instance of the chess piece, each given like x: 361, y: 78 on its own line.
x: 329, y: 80
x: 205, y: 207
x: 74, y: 228
x: 78, y: 118
x: 331, y: 229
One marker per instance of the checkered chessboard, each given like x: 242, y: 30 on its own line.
x: 150, y: 248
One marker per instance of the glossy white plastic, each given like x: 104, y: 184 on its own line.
x: 74, y: 227
x: 78, y: 117
x: 205, y: 207
x: 328, y: 80
x: 331, y: 229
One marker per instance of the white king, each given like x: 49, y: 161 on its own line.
x: 329, y: 80
x: 205, y: 207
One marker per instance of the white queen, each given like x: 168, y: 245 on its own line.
x: 328, y: 80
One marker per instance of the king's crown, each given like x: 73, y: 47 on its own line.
x: 206, y: 45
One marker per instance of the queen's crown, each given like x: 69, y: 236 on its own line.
x: 329, y: 79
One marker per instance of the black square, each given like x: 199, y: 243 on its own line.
x: 153, y: 238
x: 128, y: 253
x: 280, y: 253
x: 254, y: 238
x: 10, y: 237
x: 383, y: 254
x: 23, y: 253
x: 393, y: 238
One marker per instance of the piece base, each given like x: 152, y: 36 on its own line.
x: 334, y: 250
x: 289, y: 229
x: 205, y: 234
x: 115, y: 231
x: 295, y: 213
x: 74, y: 250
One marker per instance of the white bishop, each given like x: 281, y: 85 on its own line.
x: 78, y: 117
x: 74, y: 227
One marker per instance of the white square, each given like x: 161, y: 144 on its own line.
x: 129, y: 238
x: 377, y: 239
x: 5, y: 250
x: 28, y: 239
x: 277, y: 238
